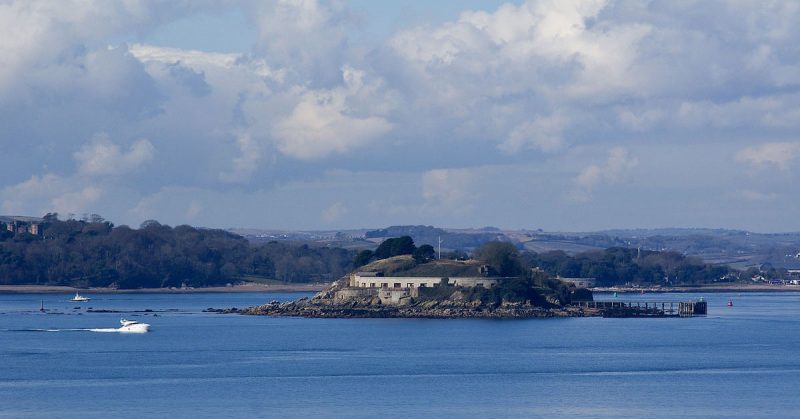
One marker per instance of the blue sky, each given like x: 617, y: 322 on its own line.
x: 562, y: 115
x: 231, y: 31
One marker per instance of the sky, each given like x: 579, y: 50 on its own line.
x: 303, y: 114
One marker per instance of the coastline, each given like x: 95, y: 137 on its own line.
x: 700, y: 289
x: 317, y: 287
x: 447, y: 310
x: 249, y: 287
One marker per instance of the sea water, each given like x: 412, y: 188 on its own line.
x: 740, y: 361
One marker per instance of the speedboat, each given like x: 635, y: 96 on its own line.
x: 132, y: 326
x: 79, y: 298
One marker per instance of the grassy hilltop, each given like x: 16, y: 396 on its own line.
x: 406, y: 265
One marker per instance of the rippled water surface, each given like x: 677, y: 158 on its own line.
x: 741, y: 361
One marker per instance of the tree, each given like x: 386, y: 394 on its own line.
x: 502, y: 256
x: 95, y: 218
x: 4, y: 233
x: 403, y: 245
x: 424, y: 253
x: 362, y: 258
x: 149, y: 224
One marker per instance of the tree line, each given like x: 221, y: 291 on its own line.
x: 612, y: 266
x: 619, y: 266
x: 93, y: 253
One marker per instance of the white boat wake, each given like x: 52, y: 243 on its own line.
x: 126, y: 326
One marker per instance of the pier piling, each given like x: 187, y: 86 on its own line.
x: 648, y: 308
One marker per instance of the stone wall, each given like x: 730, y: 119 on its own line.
x: 394, y: 295
x: 579, y: 282
x: 349, y: 293
x: 359, y: 281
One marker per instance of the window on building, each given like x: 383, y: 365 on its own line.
x: 372, y: 285
x: 398, y: 285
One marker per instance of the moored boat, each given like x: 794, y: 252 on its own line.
x: 79, y: 298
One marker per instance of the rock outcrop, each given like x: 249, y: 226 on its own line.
x: 339, y: 301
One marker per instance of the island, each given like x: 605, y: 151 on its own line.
x: 492, y: 285
x: 399, y: 280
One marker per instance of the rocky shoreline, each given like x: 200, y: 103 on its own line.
x: 337, y: 302
x: 438, y: 310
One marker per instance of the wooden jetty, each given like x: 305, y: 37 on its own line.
x: 648, y: 308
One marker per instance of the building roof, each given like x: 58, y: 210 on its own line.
x: 369, y: 274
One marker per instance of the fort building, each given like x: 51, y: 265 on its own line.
x: 369, y: 280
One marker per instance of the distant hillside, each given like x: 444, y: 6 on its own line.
x: 738, y: 248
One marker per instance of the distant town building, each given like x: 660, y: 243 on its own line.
x: 20, y: 224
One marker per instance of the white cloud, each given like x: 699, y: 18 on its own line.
x: 50, y: 193
x: 775, y: 111
x: 557, y: 30
x: 448, y: 189
x: 203, y: 60
x: 778, y: 154
x: 535, y: 83
x: 103, y: 157
x: 307, y: 37
x: 192, y: 58
x: 77, y: 202
x: 543, y: 133
x: 194, y: 209
x: 324, y: 123
x: 44, y: 44
x: 17, y: 198
x: 489, y: 72
x: 172, y: 202
x: 334, y: 213
x: 618, y: 164
x: 246, y: 163
x: 640, y: 120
